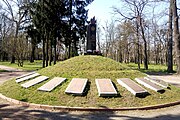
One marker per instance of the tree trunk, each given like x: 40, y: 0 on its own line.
x: 12, y: 59
x: 32, y: 53
x: 55, y: 42
x: 50, y: 56
x: 70, y: 32
x: 145, y: 46
x: 176, y: 35
x: 44, y: 54
x: 170, y: 41
x: 138, y: 53
x: 14, y: 43
x: 47, y: 50
x: 69, y: 50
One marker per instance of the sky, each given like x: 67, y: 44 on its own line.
x: 102, y: 10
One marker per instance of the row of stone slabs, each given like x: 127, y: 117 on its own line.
x: 105, y: 86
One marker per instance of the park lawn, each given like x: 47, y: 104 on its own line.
x: 90, y: 67
x: 152, y: 68
x: 36, y: 65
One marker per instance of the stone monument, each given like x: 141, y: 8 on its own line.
x: 91, y: 37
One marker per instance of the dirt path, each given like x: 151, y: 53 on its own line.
x: 11, y: 73
x: 10, y: 111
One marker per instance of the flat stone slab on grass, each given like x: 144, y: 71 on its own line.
x: 28, y: 77
x: 149, y: 84
x: 157, y: 81
x: 34, y: 81
x: 132, y: 86
x: 50, y: 85
x: 76, y: 86
x: 105, y: 87
x: 25, y: 75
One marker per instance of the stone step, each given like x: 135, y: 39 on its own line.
x: 50, y: 85
x: 105, y: 87
x: 28, y: 77
x: 149, y: 84
x: 76, y: 86
x: 25, y: 75
x: 132, y: 86
x: 34, y: 81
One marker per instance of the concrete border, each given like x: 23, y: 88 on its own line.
x: 66, y: 108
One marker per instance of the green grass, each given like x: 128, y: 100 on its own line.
x: 36, y: 65
x: 90, y: 67
x: 152, y: 68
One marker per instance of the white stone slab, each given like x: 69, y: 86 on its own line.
x: 34, y: 81
x: 50, y: 85
x: 131, y: 86
x: 149, y: 84
x: 105, y: 87
x: 76, y: 86
x: 25, y: 75
x: 157, y: 81
x: 28, y: 77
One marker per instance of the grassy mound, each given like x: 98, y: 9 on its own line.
x: 90, y: 67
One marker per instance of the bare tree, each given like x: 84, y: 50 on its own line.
x: 170, y: 40
x: 109, y: 30
x: 136, y: 9
x: 15, y: 12
x: 176, y: 34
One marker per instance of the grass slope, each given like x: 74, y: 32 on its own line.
x: 90, y: 67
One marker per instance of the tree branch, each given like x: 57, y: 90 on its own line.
x: 117, y: 11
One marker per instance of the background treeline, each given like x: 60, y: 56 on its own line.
x: 41, y: 29
x: 145, y: 31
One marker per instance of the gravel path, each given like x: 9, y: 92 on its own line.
x: 10, y: 111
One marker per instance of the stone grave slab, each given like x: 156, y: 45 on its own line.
x: 157, y: 81
x: 28, y: 77
x: 132, y: 86
x: 34, y: 81
x: 76, y: 86
x: 149, y: 84
x: 50, y: 85
x: 25, y: 75
x: 105, y: 87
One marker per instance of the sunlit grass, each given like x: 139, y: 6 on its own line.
x: 36, y: 65
x: 152, y: 68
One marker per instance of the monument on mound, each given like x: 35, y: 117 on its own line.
x: 91, y: 38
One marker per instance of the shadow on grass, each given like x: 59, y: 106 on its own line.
x: 24, y: 100
x: 87, y: 88
x: 142, y: 95
x: 156, y: 72
x: 3, y: 71
x: 24, y: 113
x: 118, y: 93
x: 161, y: 91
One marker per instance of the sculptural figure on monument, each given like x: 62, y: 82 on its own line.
x: 93, y: 20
